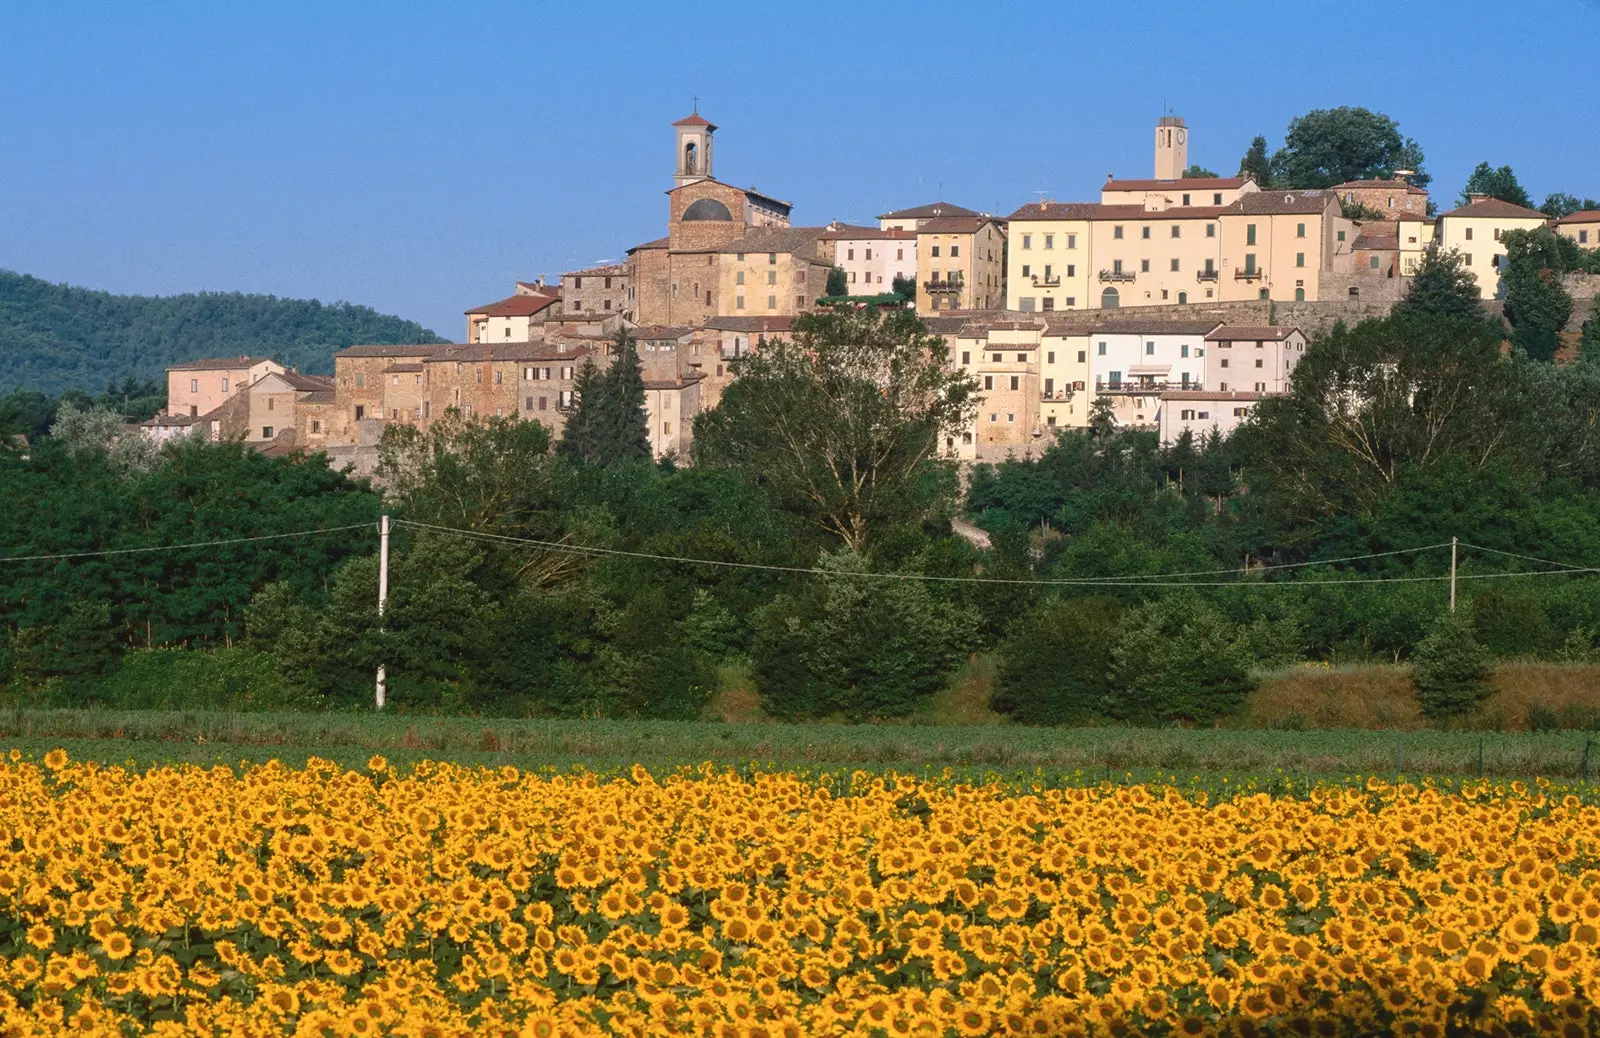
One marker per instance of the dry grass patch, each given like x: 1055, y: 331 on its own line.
x: 1376, y: 695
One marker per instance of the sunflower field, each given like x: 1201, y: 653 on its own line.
x: 446, y: 900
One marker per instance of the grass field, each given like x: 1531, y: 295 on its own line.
x: 1088, y: 753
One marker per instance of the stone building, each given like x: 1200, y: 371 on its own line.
x: 597, y: 290
x: 961, y: 263
x: 1390, y: 199
x: 283, y: 408
x: 198, y: 387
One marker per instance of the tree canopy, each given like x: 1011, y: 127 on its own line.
x: 1496, y: 183
x: 59, y: 337
x: 1329, y: 146
x: 1558, y: 204
x: 1257, y: 163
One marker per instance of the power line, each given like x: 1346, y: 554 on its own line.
x: 1566, y: 567
x: 179, y: 547
x: 578, y: 549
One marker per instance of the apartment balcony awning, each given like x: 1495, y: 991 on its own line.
x: 1150, y: 369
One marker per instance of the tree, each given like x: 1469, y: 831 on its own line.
x: 840, y: 422
x: 1330, y: 146
x: 1054, y: 668
x: 1558, y: 204
x: 1198, y: 171
x: 1257, y: 164
x: 1537, y: 305
x: 606, y: 423
x: 1177, y: 659
x: 101, y: 429
x: 838, y: 282
x: 1102, y: 420
x: 1442, y: 287
x: 1450, y: 667
x: 1496, y: 183
x: 579, y: 434
x: 905, y: 286
x: 1589, y: 342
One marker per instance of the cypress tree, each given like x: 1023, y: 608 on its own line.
x: 588, y: 390
x: 622, y: 435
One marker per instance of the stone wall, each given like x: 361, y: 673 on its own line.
x: 1336, y: 288
x: 1581, y: 286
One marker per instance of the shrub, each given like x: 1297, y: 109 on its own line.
x: 1510, y: 624
x: 1450, y: 667
x: 1054, y: 668
x: 236, y: 678
x: 1177, y: 659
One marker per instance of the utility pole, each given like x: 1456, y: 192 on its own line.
x: 383, y: 596
x: 1453, y: 542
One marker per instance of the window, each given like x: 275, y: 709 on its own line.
x: 799, y: 302
x: 566, y: 373
x: 997, y: 357
x: 1263, y: 294
x: 564, y: 399
x: 1010, y: 418
x: 955, y: 250
x: 1116, y: 232
x: 666, y: 428
x: 1149, y: 349
x: 1174, y: 266
x: 1468, y: 233
x: 1373, y: 262
x: 1183, y: 351
x: 1258, y: 362
x: 575, y: 309
x: 1299, y: 230
x: 1299, y: 295
x: 1116, y: 379
x: 1211, y: 230
x: 966, y: 356
x: 270, y: 402
x: 869, y: 255
x: 1467, y: 259
x: 1497, y: 234
x: 497, y: 375
x: 1341, y: 236
x: 1299, y: 259
x: 1072, y: 300
x: 993, y: 418
x: 1016, y: 381
x: 1144, y: 232
x: 1186, y: 415
x: 1144, y: 266
x: 739, y: 256
x: 1049, y: 303
x: 850, y: 254
x: 1050, y: 358
x: 1027, y: 241
x: 1185, y: 199
x: 1261, y: 387
x: 1083, y: 356
x: 1049, y: 241
x: 1249, y: 263
x: 361, y: 412
x: 1027, y: 271
x: 1250, y: 234
x: 266, y: 432
x: 934, y: 252
x: 772, y: 277
x: 738, y: 302
x: 1102, y: 349
x: 738, y: 278
x: 224, y: 385
x: 1047, y: 272
x: 1116, y: 266
x: 194, y: 384
x: 1177, y: 231
x: 772, y: 259
x: 1022, y: 358
x: 899, y: 254
x: 772, y: 302
x: 1583, y: 238
x: 316, y: 426
x: 1224, y: 361
x: 527, y: 403
x: 1049, y: 387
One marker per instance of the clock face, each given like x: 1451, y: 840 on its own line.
x: 1182, y: 136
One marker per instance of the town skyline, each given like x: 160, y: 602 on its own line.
x: 342, y: 182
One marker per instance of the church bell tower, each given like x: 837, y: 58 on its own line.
x: 1172, y: 147
x: 694, y: 148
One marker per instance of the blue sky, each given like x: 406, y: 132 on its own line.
x: 419, y: 158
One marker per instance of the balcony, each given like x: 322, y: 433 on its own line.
x: 1248, y: 274
x: 1046, y: 281
x: 1205, y: 275
x: 1145, y: 386
x: 934, y: 288
x: 1116, y: 275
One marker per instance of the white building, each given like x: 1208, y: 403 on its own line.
x: 872, y: 257
x: 1252, y: 359
x: 1133, y: 355
x: 1201, y: 411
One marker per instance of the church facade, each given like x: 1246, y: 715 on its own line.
x: 728, y: 251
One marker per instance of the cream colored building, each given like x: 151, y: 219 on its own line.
x: 517, y: 318
x: 1200, y: 412
x: 1145, y: 257
x: 1474, y: 231
x: 870, y: 257
x: 1048, y: 256
x: 1257, y: 359
x: 961, y: 264
x: 1277, y: 244
x: 1583, y: 228
x: 198, y: 387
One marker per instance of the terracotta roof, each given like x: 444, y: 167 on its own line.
x: 1378, y: 183
x: 749, y: 324
x: 945, y: 325
x: 1586, y: 216
x: 661, y: 331
x: 657, y: 243
x: 1251, y: 332
x: 776, y: 239
x: 1280, y: 203
x: 320, y: 396
x: 957, y: 224
x: 1376, y: 239
x: 219, y: 364
x: 1181, y: 184
x: 516, y: 306
x: 1070, y: 326
x: 695, y: 119
x: 927, y: 212
x: 850, y: 232
x: 1494, y: 208
x: 1146, y: 326
x: 505, y: 351
x: 414, y: 350
x: 686, y: 380
x: 301, y: 383
x: 604, y: 270
x: 1217, y: 395
x: 751, y: 191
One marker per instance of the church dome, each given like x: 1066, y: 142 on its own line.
x: 707, y: 209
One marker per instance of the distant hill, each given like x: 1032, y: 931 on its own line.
x: 57, y: 337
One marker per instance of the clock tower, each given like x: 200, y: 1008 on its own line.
x: 1172, y: 147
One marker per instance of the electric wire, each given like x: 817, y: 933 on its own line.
x: 180, y: 547
x: 1566, y: 566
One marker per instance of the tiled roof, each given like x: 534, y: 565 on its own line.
x: 850, y: 232
x: 956, y: 224
x: 220, y: 364
x: 1207, y: 394
x: 658, y: 243
x: 798, y: 240
x: 749, y: 324
x: 661, y: 331
x: 397, y: 369
x: 1586, y: 216
x: 1494, y: 208
x: 945, y: 325
x: 304, y: 383
x: 414, y: 350
x: 695, y: 119
x: 164, y: 421
x: 1251, y: 333
x: 1145, y: 326
x: 517, y: 306
x: 505, y: 351
x: 1060, y: 326
x: 1378, y: 184
x: 1377, y: 238
x: 682, y: 382
x: 1181, y: 184
x: 320, y: 396
x: 604, y: 270
x: 928, y: 212
x: 1280, y: 203
x: 749, y: 191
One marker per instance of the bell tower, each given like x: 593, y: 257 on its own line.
x: 1172, y: 147
x: 694, y: 148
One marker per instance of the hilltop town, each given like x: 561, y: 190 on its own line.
x: 1181, y: 301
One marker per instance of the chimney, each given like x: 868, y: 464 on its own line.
x: 1110, y: 177
x: 1476, y: 197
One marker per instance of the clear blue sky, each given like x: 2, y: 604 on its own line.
x: 419, y: 158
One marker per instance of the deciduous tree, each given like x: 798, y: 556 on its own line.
x: 1330, y: 146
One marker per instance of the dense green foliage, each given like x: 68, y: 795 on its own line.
x: 59, y: 337
x: 31, y: 413
x: 905, y: 286
x: 1450, y: 666
x: 1257, y: 163
x: 1176, y: 659
x: 1558, y: 204
x: 1498, y: 183
x: 1442, y: 287
x: 1056, y: 666
x: 1329, y: 146
x: 606, y: 425
x: 838, y: 282
x: 1198, y: 171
